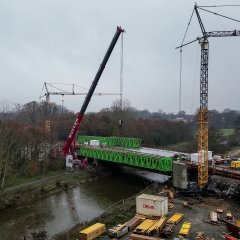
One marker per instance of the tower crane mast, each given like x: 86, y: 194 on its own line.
x: 203, y: 110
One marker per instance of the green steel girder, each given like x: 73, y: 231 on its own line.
x: 153, y: 162
x: 112, y: 141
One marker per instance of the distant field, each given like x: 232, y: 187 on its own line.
x: 178, y: 147
x: 227, y: 131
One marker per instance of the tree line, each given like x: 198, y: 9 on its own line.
x: 29, y: 131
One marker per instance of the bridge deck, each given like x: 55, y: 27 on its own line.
x: 155, y: 151
x: 142, y: 157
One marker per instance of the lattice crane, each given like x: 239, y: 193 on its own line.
x: 203, y: 110
x: 63, y: 92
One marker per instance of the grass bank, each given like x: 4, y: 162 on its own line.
x: 26, y: 189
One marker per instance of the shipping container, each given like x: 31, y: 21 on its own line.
x: 229, y: 237
x: 233, y: 229
x: 151, y: 205
x: 93, y: 231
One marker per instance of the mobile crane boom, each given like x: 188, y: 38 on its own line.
x: 67, y: 146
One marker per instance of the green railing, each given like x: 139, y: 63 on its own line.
x: 112, y: 141
x: 153, y: 162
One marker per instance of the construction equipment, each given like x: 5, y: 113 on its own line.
x: 203, y: 110
x: 169, y: 192
x: 68, y: 149
x: 62, y: 92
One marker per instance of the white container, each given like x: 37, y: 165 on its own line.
x: 151, y: 205
x: 194, y: 156
x: 94, y: 143
x: 217, y: 157
x: 69, y: 161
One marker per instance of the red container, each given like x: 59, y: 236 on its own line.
x: 229, y: 237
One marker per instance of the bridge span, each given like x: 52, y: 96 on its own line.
x: 147, y: 158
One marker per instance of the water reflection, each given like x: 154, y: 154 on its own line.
x: 62, y: 211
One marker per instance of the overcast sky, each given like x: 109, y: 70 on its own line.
x: 64, y: 41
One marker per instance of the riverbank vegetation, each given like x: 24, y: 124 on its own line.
x: 28, y: 188
x: 32, y: 135
x: 118, y: 213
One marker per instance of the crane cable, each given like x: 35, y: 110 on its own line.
x: 195, y: 78
x: 226, y: 5
x: 121, y: 73
x: 220, y: 15
x: 120, y: 123
x: 181, y: 63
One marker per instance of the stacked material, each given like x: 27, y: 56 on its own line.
x: 141, y: 237
x: 144, y: 226
x: 93, y: 231
x: 118, y: 231
x: 176, y: 218
x: 185, y: 230
x: 157, y: 226
x: 213, y: 217
x: 132, y: 223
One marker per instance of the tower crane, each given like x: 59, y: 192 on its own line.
x: 67, y: 149
x: 63, y: 92
x: 203, y: 110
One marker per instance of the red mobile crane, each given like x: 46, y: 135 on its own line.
x: 68, y: 149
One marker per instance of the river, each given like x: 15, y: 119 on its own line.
x: 59, y: 212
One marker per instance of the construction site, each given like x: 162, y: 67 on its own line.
x: 167, y: 176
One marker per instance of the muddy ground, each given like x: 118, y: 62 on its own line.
x: 197, y: 213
